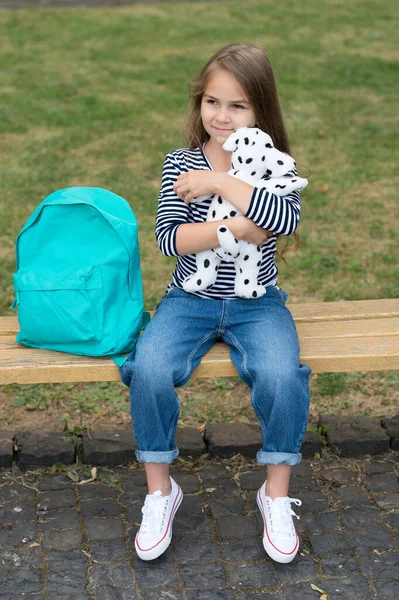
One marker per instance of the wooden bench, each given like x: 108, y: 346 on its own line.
x: 334, y: 337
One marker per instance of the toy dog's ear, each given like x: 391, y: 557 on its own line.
x: 231, y: 143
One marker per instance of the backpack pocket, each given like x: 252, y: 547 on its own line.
x: 59, y: 307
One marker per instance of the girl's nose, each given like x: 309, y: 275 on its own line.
x: 223, y: 115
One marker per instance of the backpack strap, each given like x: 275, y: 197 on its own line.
x: 119, y: 359
x: 145, y: 319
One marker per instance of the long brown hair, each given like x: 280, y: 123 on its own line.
x: 251, y: 67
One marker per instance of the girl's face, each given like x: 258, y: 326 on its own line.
x: 224, y: 107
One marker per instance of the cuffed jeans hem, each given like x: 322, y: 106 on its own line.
x: 277, y: 458
x: 148, y: 456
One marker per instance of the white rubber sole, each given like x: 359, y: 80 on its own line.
x: 160, y: 548
x: 281, y: 557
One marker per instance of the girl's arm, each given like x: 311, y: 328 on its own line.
x: 280, y: 214
x: 176, y: 236
x: 195, y: 237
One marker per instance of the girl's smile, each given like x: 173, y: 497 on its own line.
x: 218, y: 129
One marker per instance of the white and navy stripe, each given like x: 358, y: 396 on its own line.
x: 275, y: 213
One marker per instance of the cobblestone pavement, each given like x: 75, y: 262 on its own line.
x: 62, y: 540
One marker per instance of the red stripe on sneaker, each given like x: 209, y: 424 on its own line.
x: 267, y: 533
x: 167, y: 529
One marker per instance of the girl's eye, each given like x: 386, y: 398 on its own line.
x: 209, y: 101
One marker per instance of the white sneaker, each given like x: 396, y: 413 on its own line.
x: 280, y: 539
x: 155, y: 533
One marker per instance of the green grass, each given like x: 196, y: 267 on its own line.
x: 98, y: 97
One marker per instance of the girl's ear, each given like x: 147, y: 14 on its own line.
x: 231, y: 142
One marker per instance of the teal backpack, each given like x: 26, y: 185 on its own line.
x: 78, y: 281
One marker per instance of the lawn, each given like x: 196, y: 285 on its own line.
x: 97, y: 97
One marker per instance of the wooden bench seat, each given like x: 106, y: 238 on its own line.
x: 334, y: 337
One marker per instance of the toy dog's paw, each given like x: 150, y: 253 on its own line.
x: 200, y: 281
x: 282, y: 186
x: 194, y: 283
x: 248, y: 291
x: 228, y: 242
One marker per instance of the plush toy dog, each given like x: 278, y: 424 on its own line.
x: 256, y: 161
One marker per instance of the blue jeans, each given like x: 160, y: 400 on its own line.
x: 264, y: 348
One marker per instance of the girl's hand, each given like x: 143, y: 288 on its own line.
x: 245, y: 229
x: 194, y: 184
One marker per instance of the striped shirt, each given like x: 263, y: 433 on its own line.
x: 275, y: 213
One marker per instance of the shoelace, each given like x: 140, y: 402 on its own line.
x: 282, y: 513
x: 154, y: 511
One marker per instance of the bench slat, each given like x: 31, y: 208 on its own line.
x: 356, y: 328
x: 334, y: 337
x: 345, y: 310
x: 307, y: 312
x: 333, y: 354
x: 342, y: 329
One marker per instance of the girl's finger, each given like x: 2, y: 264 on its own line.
x: 177, y: 190
x: 182, y: 189
x: 179, y: 182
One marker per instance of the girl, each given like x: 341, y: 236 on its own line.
x: 236, y: 88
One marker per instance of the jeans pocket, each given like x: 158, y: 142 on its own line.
x: 165, y: 295
x: 160, y: 302
x: 282, y: 293
x: 175, y: 292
